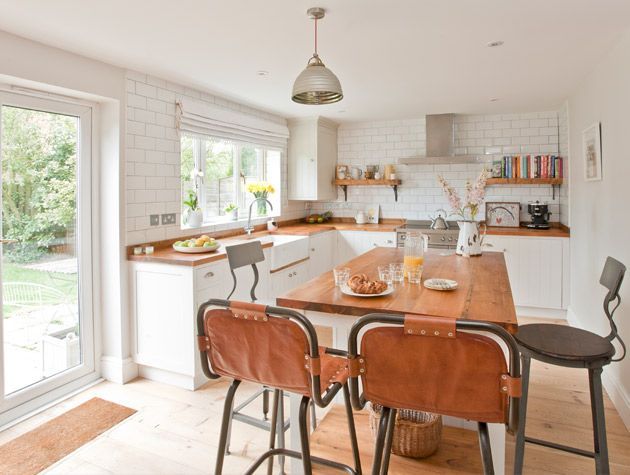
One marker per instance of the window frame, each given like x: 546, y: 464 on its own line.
x: 199, y: 144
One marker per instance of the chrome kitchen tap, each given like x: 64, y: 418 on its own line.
x: 249, y: 228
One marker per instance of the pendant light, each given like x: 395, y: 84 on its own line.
x: 316, y: 84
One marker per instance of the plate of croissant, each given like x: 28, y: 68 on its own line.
x: 360, y: 285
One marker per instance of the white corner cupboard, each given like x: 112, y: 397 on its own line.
x: 312, y: 158
x: 538, y: 268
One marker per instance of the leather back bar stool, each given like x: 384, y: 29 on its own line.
x: 570, y: 347
x: 243, y: 255
x: 277, y: 348
x: 434, y: 364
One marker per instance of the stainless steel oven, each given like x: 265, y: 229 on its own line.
x: 438, y: 238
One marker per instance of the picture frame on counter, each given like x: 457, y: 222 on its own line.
x: 342, y: 172
x: 592, y: 151
x: 503, y: 214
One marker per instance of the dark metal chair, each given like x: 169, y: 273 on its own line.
x: 434, y: 364
x: 571, y: 347
x: 278, y: 348
x: 243, y: 255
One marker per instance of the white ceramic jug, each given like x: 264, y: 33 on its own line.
x: 356, y: 173
x: 360, y: 217
x: 470, y: 238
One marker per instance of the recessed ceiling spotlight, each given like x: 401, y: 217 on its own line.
x: 494, y: 99
x: 493, y: 44
x: 262, y: 73
x: 342, y: 111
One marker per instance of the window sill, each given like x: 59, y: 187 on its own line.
x: 223, y: 221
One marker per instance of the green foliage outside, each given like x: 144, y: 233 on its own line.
x: 38, y: 181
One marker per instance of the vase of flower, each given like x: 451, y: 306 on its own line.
x: 470, y: 237
x: 232, y: 211
x: 261, y: 189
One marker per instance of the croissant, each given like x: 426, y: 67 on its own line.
x: 361, y: 284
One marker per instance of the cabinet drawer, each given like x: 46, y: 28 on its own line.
x: 211, y: 275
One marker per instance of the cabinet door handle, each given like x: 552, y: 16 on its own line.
x: 312, y: 249
x: 389, y: 241
x: 208, y: 274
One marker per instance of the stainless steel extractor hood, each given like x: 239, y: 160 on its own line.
x: 440, y: 136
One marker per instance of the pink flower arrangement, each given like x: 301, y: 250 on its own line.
x: 475, y: 194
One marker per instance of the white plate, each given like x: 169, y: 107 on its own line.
x: 346, y: 290
x: 440, y: 284
x: 196, y: 250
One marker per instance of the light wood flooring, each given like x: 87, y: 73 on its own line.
x: 176, y: 432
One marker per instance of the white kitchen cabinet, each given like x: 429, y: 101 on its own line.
x: 321, y: 253
x: 312, y: 158
x: 165, y: 299
x: 351, y: 244
x: 286, y: 279
x: 536, y: 268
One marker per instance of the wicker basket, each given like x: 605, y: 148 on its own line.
x: 416, y: 434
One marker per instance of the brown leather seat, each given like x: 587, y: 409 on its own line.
x: 428, y: 364
x: 276, y: 348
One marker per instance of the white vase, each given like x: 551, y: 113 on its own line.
x: 234, y: 214
x: 193, y: 219
x: 470, y: 238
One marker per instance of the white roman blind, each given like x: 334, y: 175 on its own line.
x: 208, y: 120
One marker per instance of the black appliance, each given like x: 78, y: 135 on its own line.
x: 540, y: 215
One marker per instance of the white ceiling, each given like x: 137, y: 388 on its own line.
x: 395, y: 58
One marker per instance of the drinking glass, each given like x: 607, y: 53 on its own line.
x: 342, y: 274
x: 398, y: 271
x: 414, y: 274
x: 385, y: 274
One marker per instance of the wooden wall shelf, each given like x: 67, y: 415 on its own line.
x: 344, y: 184
x: 528, y: 181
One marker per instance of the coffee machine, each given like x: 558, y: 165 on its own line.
x: 540, y: 215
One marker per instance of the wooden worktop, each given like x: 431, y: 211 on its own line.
x: 556, y: 230
x: 483, y: 293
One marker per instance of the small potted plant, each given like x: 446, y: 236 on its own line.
x: 193, y: 215
x: 232, y: 210
x: 261, y: 189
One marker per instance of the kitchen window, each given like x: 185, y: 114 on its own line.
x: 219, y: 171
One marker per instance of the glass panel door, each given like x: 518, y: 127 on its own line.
x: 45, y: 276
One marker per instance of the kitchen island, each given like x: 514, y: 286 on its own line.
x: 483, y: 294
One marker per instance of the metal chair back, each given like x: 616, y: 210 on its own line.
x: 611, y: 278
x: 242, y: 255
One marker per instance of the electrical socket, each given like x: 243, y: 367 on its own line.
x: 154, y: 219
x: 168, y: 218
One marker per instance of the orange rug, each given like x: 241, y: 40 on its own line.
x: 38, y: 449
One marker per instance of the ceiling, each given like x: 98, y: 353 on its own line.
x: 395, y: 58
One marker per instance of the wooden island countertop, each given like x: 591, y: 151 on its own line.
x: 483, y: 292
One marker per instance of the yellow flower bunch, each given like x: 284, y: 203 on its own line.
x: 260, y: 187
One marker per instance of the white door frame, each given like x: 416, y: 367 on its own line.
x: 44, y: 392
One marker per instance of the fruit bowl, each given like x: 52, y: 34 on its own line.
x: 196, y: 250
x: 197, y: 246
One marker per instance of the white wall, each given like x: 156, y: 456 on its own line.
x: 493, y: 136
x: 599, y: 210
x: 153, y: 160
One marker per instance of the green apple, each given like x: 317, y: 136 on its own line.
x: 320, y: 220
x: 178, y: 244
x: 183, y: 243
x: 208, y: 244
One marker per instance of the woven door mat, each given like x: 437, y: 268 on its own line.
x: 45, y: 445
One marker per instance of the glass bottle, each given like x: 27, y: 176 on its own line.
x: 415, y: 244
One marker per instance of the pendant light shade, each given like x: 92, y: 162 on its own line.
x: 316, y: 84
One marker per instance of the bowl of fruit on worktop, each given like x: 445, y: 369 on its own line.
x: 196, y: 245
x: 319, y: 218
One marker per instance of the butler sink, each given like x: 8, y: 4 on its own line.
x: 285, y: 250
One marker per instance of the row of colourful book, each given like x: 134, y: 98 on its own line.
x: 528, y: 166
